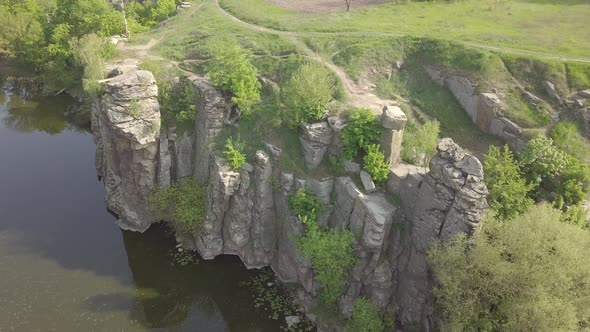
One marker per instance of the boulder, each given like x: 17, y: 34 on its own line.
x: 315, y: 139
x: 393, y: 121
x: 126, y: 126
x: 352, y: 167
x: 367, y: 181
x: 551, y: 91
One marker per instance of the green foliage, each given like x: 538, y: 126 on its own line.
x: 530, y: 274
x: 578, y: 75
x: 230, y: 68
x: 376, y: 164
x: 306, y: 205
x: 505, y: 181
x: 307, y: 94
x: 90, y: 52
x: 234, y: 153
x: 419, y: 142
x: 567, y: 137
x: 178, y: 99
x: 365, y: 317
x: 362, y: 131
x: 576, y: 215
x: 554, y: 171
x: 183, y: 205
x: 331, y: 253
x: 541, y: 160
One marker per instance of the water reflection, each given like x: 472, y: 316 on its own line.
x: 51, y: 115
x: 61, y: 255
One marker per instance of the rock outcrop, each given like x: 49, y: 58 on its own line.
x: 126, y: 126
x: 315, y: 139
x: 485, y: 109
x: 393, y: 121
x: 448, y: 200
x: 247, y: 209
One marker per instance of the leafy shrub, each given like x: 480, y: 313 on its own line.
x: 307, y: 94
x: 419, y: 142
x: 531, y: 274
x: 331, y: 253
x: 362, y: 130
x: 90, y: 52
x: 178, y: 99
x: 376, y: 164
x: 554, y: 171
x: 575, y: 215
x: 365, y: 317
x: 182, y: 204
x: 234, y: 153
x: 505, y: 181
x: 308, y: 207
x: 230, y: 69
x: 541, y: 160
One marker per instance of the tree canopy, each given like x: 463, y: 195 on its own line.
x: 530, y: 274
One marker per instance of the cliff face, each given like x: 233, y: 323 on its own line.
x: 248, y: 211
x: 126, y: 126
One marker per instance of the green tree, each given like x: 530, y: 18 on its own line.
x: 230, y: 68
x: 541, y: 160
x: 307, y: 94
x: 362, y: 131
x: 531, y: 274
x: 365, y: 317
x: 504, y: 179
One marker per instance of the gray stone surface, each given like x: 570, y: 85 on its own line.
x: 351, y: 167
x: 367, y: 181
x: 450, y: 199
x: 126, y: 127
x: 315, y: 139
x: 393, y: 121
x: 551, y: 91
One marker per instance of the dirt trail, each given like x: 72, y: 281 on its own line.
x: 358, y: 97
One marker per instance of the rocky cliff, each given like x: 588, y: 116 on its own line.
x: 248, y: 213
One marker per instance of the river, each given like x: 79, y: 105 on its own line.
x: 65, y: 266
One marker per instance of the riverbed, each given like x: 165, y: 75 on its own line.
x: 65, y: 266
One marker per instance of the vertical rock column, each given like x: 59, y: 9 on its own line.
x: 393, y: 121
x: 126, y: 126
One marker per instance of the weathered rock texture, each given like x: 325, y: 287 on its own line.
x: 484, y: 109
x: 315, y: 139
x: 393, y: 121
x: 247, y: 209
x: 127, y: 129
x: 449, y: 199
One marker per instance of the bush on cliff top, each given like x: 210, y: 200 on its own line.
x: 307, y: 94
x: 362, y: 130
x: 230, y: 68
x: 182, y: 204
x: 531, y: 274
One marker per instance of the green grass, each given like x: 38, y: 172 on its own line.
x: 548, y: 27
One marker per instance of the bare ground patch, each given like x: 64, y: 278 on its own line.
x: 318, y: 6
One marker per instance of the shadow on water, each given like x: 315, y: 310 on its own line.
x: 52, y: 207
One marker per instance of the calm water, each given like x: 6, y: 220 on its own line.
x: 64, y: 266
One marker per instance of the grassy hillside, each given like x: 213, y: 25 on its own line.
x: 556, y: 27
